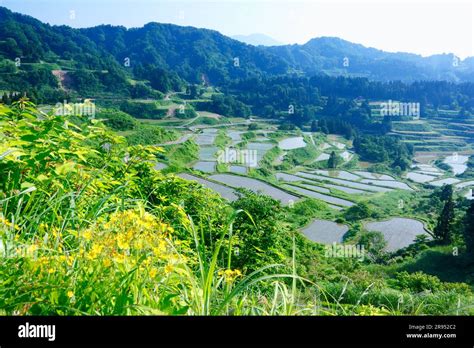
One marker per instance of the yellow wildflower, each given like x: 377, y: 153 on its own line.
x: 122, y: 242
x: 69, y: 261
x: 230, y: 275
x: 31, y: 249
x: 153, y: 272
x: 87, y: 235
x: 169, y: 268
x: 120, y: 258
x: 9, y: 224
x: 95, y: 251
x: 70, y: 294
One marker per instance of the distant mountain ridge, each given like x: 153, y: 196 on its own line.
x: 336, y: 56
x: 193, y: 53
x: 257, y: 39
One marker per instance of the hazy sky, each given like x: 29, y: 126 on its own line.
x: 419, y: 26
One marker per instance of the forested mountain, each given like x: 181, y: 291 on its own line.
x: 155, y: 49
x: 166, y: 55
x: 188, y: 51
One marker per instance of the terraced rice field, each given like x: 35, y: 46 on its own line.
x: 346, y: 155
x: 292, y: 143
x: 207, y: 153
x: 352, y: 184
x: 238, y: 169
x: 255, y: 185
x: 388, y: 183
x: 318, y: 186
x: 224, y: 191
x: 447, y: 181
x: 370, y: 175
x: 340, y: 174
x: 206, y: 167
x: 159, y: 166
x: 261, y: 148
x: 346, y: 189
x: 322, y: 157
x: 398, y: 232
x: 457, y: 163
x: 235, y: 136
x: 465, y: 184
x: 323, y: 197
x: 315, y: 187
x: 420, y: 177
x: 288, y: 177
x: 325, y: 232
x: 207, y: 137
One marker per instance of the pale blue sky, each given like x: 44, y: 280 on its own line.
x: 420, y: 26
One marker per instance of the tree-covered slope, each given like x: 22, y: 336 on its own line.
x: 188, y: 51
x: 105, y: 57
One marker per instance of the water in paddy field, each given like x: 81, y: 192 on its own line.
x: 340, y: 146
x: 465, y: 184
x: 388, y: 183
x: 346, y: 189
x: 288, y: 177
x: 371, y: 175
x: 316, y: 188
x: 448, y: 181
x: 261, y: 148
x: 398, y: 232
x: 292, y: 143
x: 207, y: 153
x: 426, y: 168
x: 206, y: 167
x: 323, y: 197
x: 159, y: 166
x: 224, y: 191
x: 420, y: 177
x: 326, y: 232
x: 457, y: 163
x: 341, y: 174
x: 256, y: 186
x: 322, y: 157
x: 343, y: 182
x: 238, y: 169
x: 207, y: 136
x: 325, y: 146
x: 236, y: 137
x: 346, y: 155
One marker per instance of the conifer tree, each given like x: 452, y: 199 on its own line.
x: 443, y: 229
